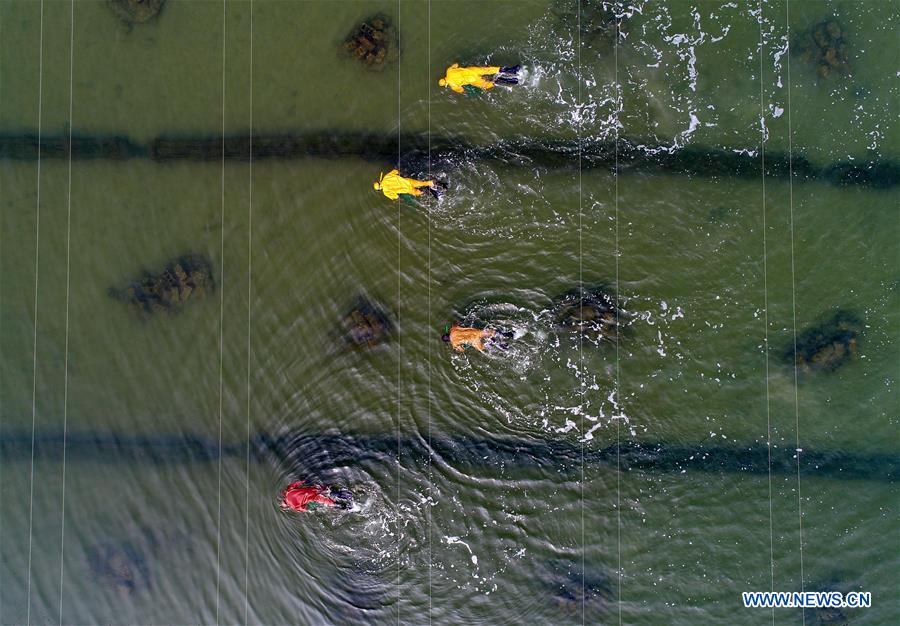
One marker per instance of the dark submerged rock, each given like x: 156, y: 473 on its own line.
x: 600, y: 23
x: 571, y: 592
x: 829, y: 344
x: 823, y: 46
x: 366, y: 325
x: 121, y: 566
x: 829, y: 616
x: 592, y: 313
x: 187, y: 278
x: 373, y: 43
x: 136, y: 11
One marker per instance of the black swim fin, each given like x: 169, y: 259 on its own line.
x: 512, y: 69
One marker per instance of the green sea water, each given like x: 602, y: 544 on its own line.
x: 713, y: 273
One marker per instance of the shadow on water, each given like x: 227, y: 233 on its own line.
x: 627, y: 155
x: 311, y: 453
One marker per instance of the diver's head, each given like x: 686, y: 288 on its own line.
x: 442, y: 82
x: 377, y: 186
x: 445, y: 337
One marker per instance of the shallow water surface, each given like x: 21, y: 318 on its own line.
x: 644, y: 481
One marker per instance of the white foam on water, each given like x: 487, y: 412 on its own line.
x: 453, y: 540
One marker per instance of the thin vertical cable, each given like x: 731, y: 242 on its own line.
x: 62, y: 534
x: 399, y: 333
x: 430, y: 474
x: 249, y: 317
x: 37, y: 258
x: 1, y: 353
x: 797, y: 450
x: 617, y: 417
x: 581, y: 373
x: 221, y: 335
x: 762, y: 153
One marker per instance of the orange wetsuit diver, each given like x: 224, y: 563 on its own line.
x: 393, y: 185
x: 458, y: 78
x: 300, y: 496
x: 461, y: 336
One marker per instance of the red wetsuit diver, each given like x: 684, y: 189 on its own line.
x: 301, y: 496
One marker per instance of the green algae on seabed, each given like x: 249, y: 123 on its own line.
x: 590, y: 312
x: 122, y: 566
x: 824, y: 47
x: 373, y: 43
x: 136, y: 11
x: 367, y: 324
x: 184, y: 279
x: 827, y: 345
x: 125, y: 563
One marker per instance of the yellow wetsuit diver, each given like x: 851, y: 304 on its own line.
x: 458, y: 78
x: 393, y: 185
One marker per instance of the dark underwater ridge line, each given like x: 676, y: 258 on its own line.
x: 631, y: 156
x: 319, y: 452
